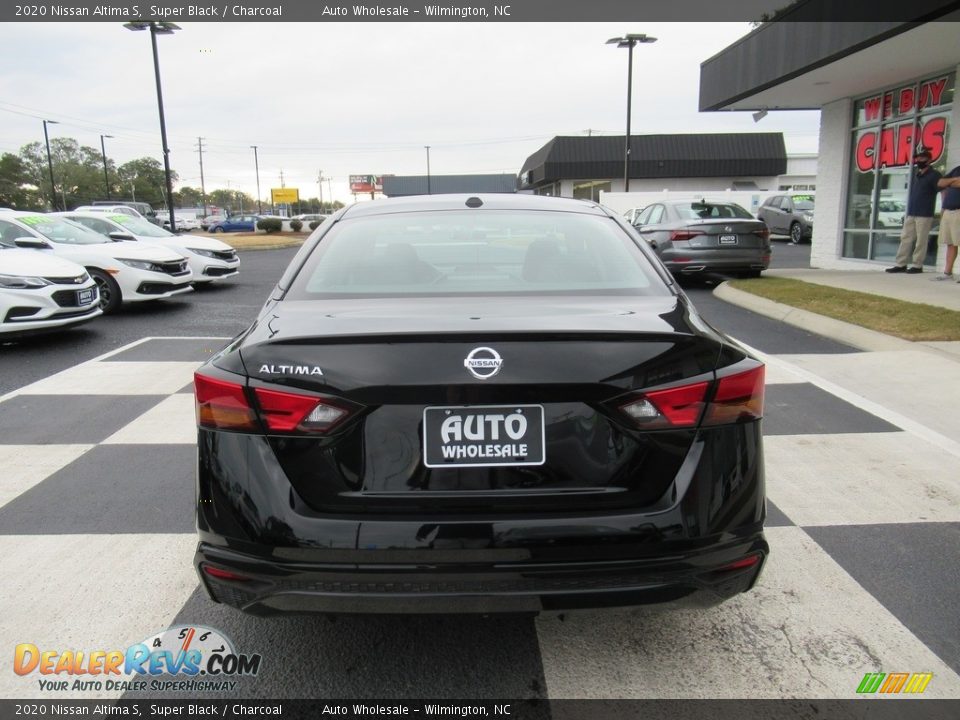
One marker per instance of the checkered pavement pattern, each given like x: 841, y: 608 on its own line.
x: 97, y: 538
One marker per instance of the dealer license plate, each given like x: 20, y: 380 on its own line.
x: 483, y: 436
x: 728, y: 239
x: 85, y: 297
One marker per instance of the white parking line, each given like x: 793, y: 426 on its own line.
x: 891, y: 416
x: 26, y: 389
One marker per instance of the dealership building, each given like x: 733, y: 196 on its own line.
x: 881, y: 88
x: 584, y: 166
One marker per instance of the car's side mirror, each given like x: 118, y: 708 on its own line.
x: 118, y: 236
x: 32, y: 243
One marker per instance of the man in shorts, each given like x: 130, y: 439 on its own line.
x: 919, y: 218
x: 950, y: 219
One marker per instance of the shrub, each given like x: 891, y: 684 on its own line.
x: 295, y: 225
x: 314, y: 224
x: 270, y: 224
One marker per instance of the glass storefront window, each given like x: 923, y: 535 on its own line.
x: 590, y: 189
x: 888, y: 128
x: 856, y: 245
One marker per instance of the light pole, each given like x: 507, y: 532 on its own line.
x: 256, y: 164
x: 46, y: 139
x: 203, y: 187
x: 628, y: 41
x: 428, y: 169
x: 103, y: 153
x: 160, y: 28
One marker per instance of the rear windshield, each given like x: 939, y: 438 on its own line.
x: 493, y: 252
x: 695, y: 210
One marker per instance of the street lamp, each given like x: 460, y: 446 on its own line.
x: 103, y: 153
x: 256, y: 165
x: 428, y: 169
x: 46, y: 139
x: 628, y: 41
x: 160, y: 28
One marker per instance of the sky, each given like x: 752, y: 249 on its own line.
x: 358, y: 98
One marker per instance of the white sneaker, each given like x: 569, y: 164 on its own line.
x: 943, y: 276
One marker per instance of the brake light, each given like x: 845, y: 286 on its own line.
x: 763, y: 232
x: 221, y: 404
x: 286, y: 411
x: 684, y: 234
x: 739, y: 398
x: 223, y: 574
x: 674, y: 407
x: 748, y: 561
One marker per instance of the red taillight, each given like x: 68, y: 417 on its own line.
x: 684, y: 234
x: 748, y: 561
x: 739, y: 398
x: 221, y: 404
x: 673, y: 407
x: 763, y: 232
x: 286, y: 411
x: 224, y: 574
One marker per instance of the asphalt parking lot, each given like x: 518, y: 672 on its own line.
x: 96, y: 537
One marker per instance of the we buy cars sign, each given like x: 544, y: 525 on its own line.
x: 893, y: 146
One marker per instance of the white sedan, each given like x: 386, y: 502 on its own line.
x: 209, y: 259
x: 40, y: 293
x: 123, y: 271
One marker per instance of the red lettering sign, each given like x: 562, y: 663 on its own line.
x: 896, y: 144
x: 907, y: 97
x: 865, y: 147
x: 871, y: 108
x: 887, y: 105
x: 904, y: 143
x: 886, y: 155
x: 932, y: 92
x: 932, y: 136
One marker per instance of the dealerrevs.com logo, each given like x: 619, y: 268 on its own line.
x: 894, y: 683
x: 186, y: 658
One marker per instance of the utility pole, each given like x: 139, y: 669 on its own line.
x: 256, y: 164
x: 203, y: 188
x: 428, y: 169
x: 103, y: 153
x: 53, y: 189
x: 320, y: 188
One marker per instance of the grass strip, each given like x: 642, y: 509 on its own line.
x: 907, y: 320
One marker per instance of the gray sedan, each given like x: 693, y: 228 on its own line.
x: 701, y: 236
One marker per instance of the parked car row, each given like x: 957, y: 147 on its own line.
x: 60, y: 269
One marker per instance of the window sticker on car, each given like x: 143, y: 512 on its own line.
x: 34, y: 220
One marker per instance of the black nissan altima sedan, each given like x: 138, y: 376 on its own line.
x: 478, y: 404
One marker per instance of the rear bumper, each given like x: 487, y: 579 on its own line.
x: 274, y: 587
x: 717, y: 261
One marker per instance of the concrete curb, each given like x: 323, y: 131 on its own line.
x: 858, y: 337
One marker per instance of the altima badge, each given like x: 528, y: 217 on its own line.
x: 483, y: 363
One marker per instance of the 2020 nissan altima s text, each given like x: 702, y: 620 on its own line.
x: 478, y: 404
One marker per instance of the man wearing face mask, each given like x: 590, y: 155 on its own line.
x: 950, y: 220
x: 919, y: 218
